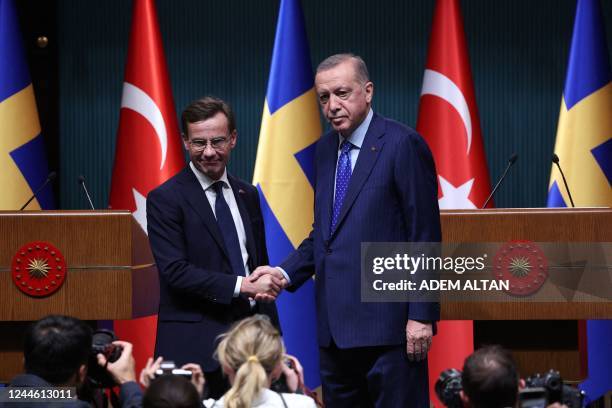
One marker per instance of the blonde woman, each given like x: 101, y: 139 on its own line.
x: 251, y: 355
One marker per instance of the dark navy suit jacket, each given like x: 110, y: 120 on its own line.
x: 195, y: 276
x: 392, y: 197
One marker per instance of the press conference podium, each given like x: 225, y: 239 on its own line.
x: 110, y: 273
x: 541, y: 335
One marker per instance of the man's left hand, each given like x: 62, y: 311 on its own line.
x: 418, y: 340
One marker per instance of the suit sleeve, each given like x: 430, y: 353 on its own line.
x: 299, y: 265
x: 168, y: 242
x: 416, y: 183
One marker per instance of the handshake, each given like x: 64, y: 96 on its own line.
x: 264, y: 284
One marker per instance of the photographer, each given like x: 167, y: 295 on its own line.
x: 149, y: 374
x: 252, y: 355
x: 490, y: 379
x: 56, y: 354
x: 172, y: 391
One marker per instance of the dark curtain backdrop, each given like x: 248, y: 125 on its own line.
x: 518, y: 52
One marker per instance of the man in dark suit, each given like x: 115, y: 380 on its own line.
x: 207, y: 234
x: 375, y: 182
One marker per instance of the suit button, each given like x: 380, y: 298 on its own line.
x: 329, y: 251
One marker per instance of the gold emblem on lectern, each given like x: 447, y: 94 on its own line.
x: 519, y: 266
x: 523, y: 264
x: 38, y: 269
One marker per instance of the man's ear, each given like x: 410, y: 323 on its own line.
x: 233, y: 138
x: 369, y: 90
x: 82, y: 374
x: 185, y: 140
x: 464, y: 399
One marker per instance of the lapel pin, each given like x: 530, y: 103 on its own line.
x: 241, y: 191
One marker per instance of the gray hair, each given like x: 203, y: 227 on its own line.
x: 361, y: 69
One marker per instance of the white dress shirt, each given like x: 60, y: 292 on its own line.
x: 206, y: 183
x: 356, y: 138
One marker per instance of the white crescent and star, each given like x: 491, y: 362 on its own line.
x: 140, y: 102
x: 437, y: 84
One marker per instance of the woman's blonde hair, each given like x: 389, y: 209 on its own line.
x: 252, y: 349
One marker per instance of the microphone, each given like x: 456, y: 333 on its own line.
x: 82, y: 183
x: 50, y: 177
x: 555, y: 159
x: 511, y: 161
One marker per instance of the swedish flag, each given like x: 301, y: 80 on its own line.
x: 284, y: 174
x: 23, y: 162
x: 584, y: 146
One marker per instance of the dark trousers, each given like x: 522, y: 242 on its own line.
x: 372, y: 377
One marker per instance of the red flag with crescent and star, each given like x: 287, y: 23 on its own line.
x: 448, y: 120
x: 148, y: 149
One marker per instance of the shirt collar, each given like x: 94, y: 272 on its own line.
x: 206, y: 181
x: 356, y: 138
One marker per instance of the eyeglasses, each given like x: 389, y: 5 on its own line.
x: 217, y: 143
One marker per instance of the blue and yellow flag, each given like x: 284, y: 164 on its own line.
x: 284, y: 174
x: 23, y: 162
x: 584, y: 147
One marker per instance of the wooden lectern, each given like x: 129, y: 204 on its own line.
x: 548, y: 335
x: 110, y: 273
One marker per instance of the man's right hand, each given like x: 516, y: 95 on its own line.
x: 268, y: 285
x: 123, y: 370
x: 267, y: 270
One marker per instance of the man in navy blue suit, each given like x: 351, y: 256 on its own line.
x: 375, y: 182
x: 207, y: 234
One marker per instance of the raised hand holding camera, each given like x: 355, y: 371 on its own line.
x: 123, y: 369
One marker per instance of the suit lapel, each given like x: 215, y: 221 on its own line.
x: 196, y: 197
x: 370, y: 150
x: 328, y: 172
x: 239, y: 195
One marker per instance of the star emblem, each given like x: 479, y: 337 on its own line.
x: 38, y: 268
x: 455, y: 197
x: 141, y: 209
x: 520, y: 266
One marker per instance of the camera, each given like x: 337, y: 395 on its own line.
x: 102, y: 343
x: 554, y: 390
x: 280, y: 385
x: 168, y: 367
x: 540, y: 391
x: 448, y: 387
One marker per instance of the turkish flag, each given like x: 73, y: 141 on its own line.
x: 148, y: 149
x: 448, y: 120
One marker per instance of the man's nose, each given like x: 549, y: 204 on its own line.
x: 208, y: 150
x: 334, y: 104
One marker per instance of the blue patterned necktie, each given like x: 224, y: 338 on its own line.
x: 343, y: 177
x: 228, y: 230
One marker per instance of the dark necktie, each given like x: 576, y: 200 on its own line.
x: 343, y: 177
x: 228, y: 230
